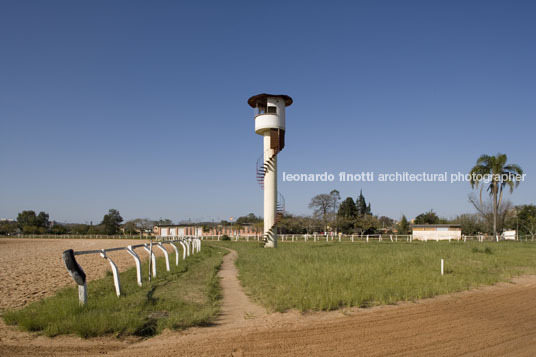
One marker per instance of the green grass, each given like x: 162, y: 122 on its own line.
x: 327, y: 276
x: 189, y: 295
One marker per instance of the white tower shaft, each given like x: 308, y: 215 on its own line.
x: 270, y: 194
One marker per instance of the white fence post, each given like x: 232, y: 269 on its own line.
x: 187, y: 244
x: 166, y: 255
x: 152, y: 257
x: 183, y: 249
x: 138, y: 263
x: 82, y: 294
x: 115, y: 272
x: 176, y: 252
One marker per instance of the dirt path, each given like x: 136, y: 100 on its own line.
x: 491, y: 321
x: 236, y: 306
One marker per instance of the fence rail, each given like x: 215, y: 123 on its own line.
x: 78, y: 236
x: 258, y: 237
x: 361, y: 237
x: 189, y: 244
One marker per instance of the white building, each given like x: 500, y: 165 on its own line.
x: 436, y: 231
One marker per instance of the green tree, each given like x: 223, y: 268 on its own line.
x: 346, y: 215
x: 42, y: 220
x: 250, y: 218
x: 336, y: 197
x: 98, y: 229
x: 143, y: 225
x: 111, y: 222
x: 130, y: 227
x: 495, y: 171
x: 30, y: 223
x: 33, y: 230
x: 79, y: 228
x: 58, y: 229
x: 164, y: 222
x: 347, y: 209
x: 429, y: 217
x: 8, y: 227
x: 26, y: 219
x: 386, y: 223
x: 367, y: 224
x: 526, y: 220
x: 403, y: 225
x: 322, y: 206
x: 291, y: 224
x: 361, y: 205
x: 471, y: 224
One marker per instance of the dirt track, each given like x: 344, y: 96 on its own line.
x: 491, y: 321
x: 31, y: 269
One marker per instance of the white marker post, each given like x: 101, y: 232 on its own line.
x: 442, y: 265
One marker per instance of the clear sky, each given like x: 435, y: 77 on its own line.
x: 141, y: 105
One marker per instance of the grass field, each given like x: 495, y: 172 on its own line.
x: 327, y: 276
x: 189, y: 295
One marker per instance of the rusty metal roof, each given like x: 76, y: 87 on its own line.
x: 253, y: 100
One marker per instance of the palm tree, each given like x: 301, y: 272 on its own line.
x: 493, y: 170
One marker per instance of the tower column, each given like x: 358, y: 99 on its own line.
x: 270, y: 194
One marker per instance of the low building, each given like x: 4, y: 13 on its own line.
x: 436, y: 231
x: 174, y: 230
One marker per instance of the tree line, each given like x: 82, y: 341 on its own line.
x: 331, y: 214
x: 28, y: 222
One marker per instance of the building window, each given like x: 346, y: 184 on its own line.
x: 272, y: 110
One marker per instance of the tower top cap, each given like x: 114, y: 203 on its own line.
x: 262, y: 97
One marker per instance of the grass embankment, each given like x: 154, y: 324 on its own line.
x: 188, y: 295
x: 327, y: 276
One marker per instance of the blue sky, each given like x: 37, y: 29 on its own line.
x: 141, y: 106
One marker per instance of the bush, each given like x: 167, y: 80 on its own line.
x: 225, y: 237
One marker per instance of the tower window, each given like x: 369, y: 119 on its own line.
x: 272, y: 110
x: 261, y: 108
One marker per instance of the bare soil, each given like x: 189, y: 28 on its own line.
x: 236, y: 305
x: 490, y: 321
x: 31, y: 269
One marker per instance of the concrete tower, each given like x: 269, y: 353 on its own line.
x: 270, y: 123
